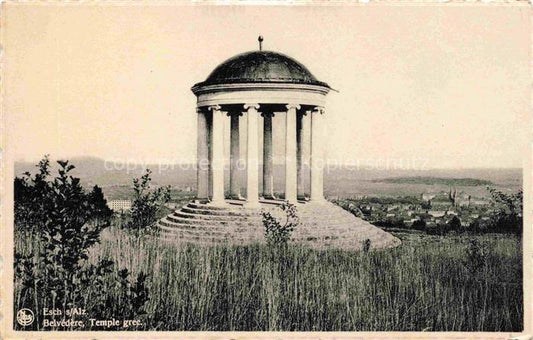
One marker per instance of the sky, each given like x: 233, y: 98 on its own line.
x: 448, y: 85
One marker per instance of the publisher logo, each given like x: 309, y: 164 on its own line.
x: 25, y: 317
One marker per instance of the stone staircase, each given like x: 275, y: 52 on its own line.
x: 322, y: 225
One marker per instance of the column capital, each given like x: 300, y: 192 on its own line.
x: 234, y: 113
x: 251, y: 105
x: 267, y: 114
x: 214, y: 107
x: 319, y: 109
x: 292, y: 106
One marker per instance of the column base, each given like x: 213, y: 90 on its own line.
x: 236, y: 197
x: 317, y: 200
x: 218, y: 203
x: 254, y: 204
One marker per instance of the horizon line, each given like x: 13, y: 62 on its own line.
x: 361, y: 166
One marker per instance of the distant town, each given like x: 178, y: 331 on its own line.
x: 433, y: 208
x: 429, y: 209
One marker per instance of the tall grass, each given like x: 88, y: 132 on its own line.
x: 425, y: 284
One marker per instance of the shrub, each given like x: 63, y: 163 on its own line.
x: 146, y: 203
x: 276, y: 232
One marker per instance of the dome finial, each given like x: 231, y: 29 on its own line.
x: 260, y: 39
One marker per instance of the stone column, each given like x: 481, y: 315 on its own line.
x: 317, y: 154
x: 234, y: 180
x: 202, y: 156
x: 299, y: 154
x: 217, y: 161
x: 252, y: 156
x: 291, y: 181
x: 268, y: 174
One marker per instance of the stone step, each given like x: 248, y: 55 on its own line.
x: 220, y: 212
x: 202, y: 234
x: 255, y: 221
x: 233, y: 205
x: 217, y: 210
x: 195, y: 240
x: 228, y: 207
x: 252, y: 220
x: 191, y: 224
x: 183, y: 214
x: 207, y: 222
x: 310, y: 224
x: 321, y: 226
x: 205, y: 206
x: 219, y: 216
x: 186, y: 227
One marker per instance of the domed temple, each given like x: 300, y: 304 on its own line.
x: 254, y: 87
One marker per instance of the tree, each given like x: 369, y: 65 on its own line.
x: 508, y: 212
x: 419, y: 224
x: 31, y: 198
x: 454, y: 223
x: 98, y: 203
x: 147, y: 202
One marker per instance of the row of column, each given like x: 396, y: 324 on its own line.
x: 211, y: 153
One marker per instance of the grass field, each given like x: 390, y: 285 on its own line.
x: 425, y: 284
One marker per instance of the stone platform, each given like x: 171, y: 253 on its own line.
x: 322, y: 225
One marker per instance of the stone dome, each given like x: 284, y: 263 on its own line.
x: 261, y: 67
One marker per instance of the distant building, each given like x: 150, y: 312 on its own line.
x: 119, y: 205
